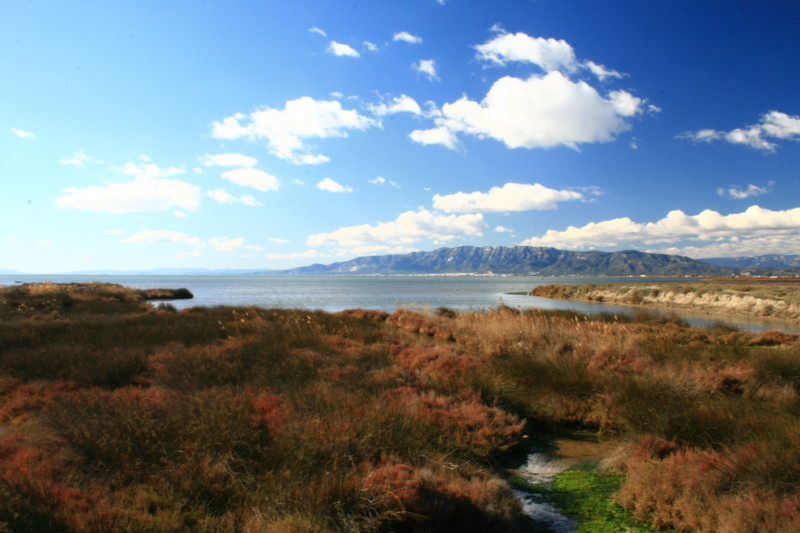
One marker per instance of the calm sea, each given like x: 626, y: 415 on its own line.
x: 387, y: 293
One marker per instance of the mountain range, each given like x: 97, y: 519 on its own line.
x: 518, y: 260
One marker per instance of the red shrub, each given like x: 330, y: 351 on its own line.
x: 437, y: 361
x: 271, y: 411
x: 481, y: 429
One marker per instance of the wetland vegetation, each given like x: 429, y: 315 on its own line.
x: 116, y: 414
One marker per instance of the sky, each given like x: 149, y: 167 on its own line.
x: 272, y: 134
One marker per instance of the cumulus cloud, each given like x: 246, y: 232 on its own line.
x: 308, y: 254
x: 285, y: 130
x: 329, y: 185
x: 151, y: 170
x: 440, y: 135
x: 398, y: 104
x: 380, y: 180
x: 252, y: 177
x: 22, y: 133
x: 143, y: 194
x: 224, y: 244
x: 369, y: 46
x: 406, y: 37
x: 738, y: 193
x: 710, y: 227
x: 342, y: 50
x: 78, y: 159
x: 427, y: 67
x: 509, y: 197
x: 549, y: 54
x: 773, y: 126
x: 228, y: 160
x: 407, y: 228
x: 601, y: 71
x: 224, y: 197
x: 540, y: 112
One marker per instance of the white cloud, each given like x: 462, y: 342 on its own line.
x: 540, y: 112
x: 377, y: 250
x: 502, y: 229
x: 309, y: 254
x: 625, y: 103
x: 246, y: 199
x: 329, y: 185
x: 732, y: 232
x: 427, y: 67
x: 228, y: 160
x: 221, y: 196
x: 509, y: 197
x: 406, y: 37
x: 78, y: 159
x: 370, y: 46
x: 440, y: 135
x: 318, y: 31
x: 224, y: 244
x: 275, y: 239
x: 549, y: 54
x: 163, y: 237
x: 398, y: 104
x: 149, y: 170
x: 179, y: 214
x: 737, y: 193
x: 601, y: 71
x: 252, y: 177
x: 22, y: 133
x: 380, y: 180
x: 773, y: 125
x: 342, y: 50
x: 407, y: 228
x: 143, y: 194
x: 750, y: 247
x: 286, y: 129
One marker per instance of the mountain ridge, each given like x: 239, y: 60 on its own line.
x: 518, y: 260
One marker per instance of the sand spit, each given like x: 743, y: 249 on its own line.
x: 774, y: 300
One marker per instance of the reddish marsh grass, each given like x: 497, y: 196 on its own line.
x: 247, y: 419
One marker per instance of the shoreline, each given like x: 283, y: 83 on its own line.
x: 777, y: 301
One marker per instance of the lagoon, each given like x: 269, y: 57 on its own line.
x: 389, y: 293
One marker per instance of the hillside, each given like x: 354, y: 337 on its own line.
x: 519, y: 260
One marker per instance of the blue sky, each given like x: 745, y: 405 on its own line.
x: 267, y: 134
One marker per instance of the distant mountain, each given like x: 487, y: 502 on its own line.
x: 518, y: 260
x: 759, y: 264
x: 5, y: 271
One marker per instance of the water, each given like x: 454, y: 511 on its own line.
x: 388, y: 293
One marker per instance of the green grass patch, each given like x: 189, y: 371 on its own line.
x: 586, y: 495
